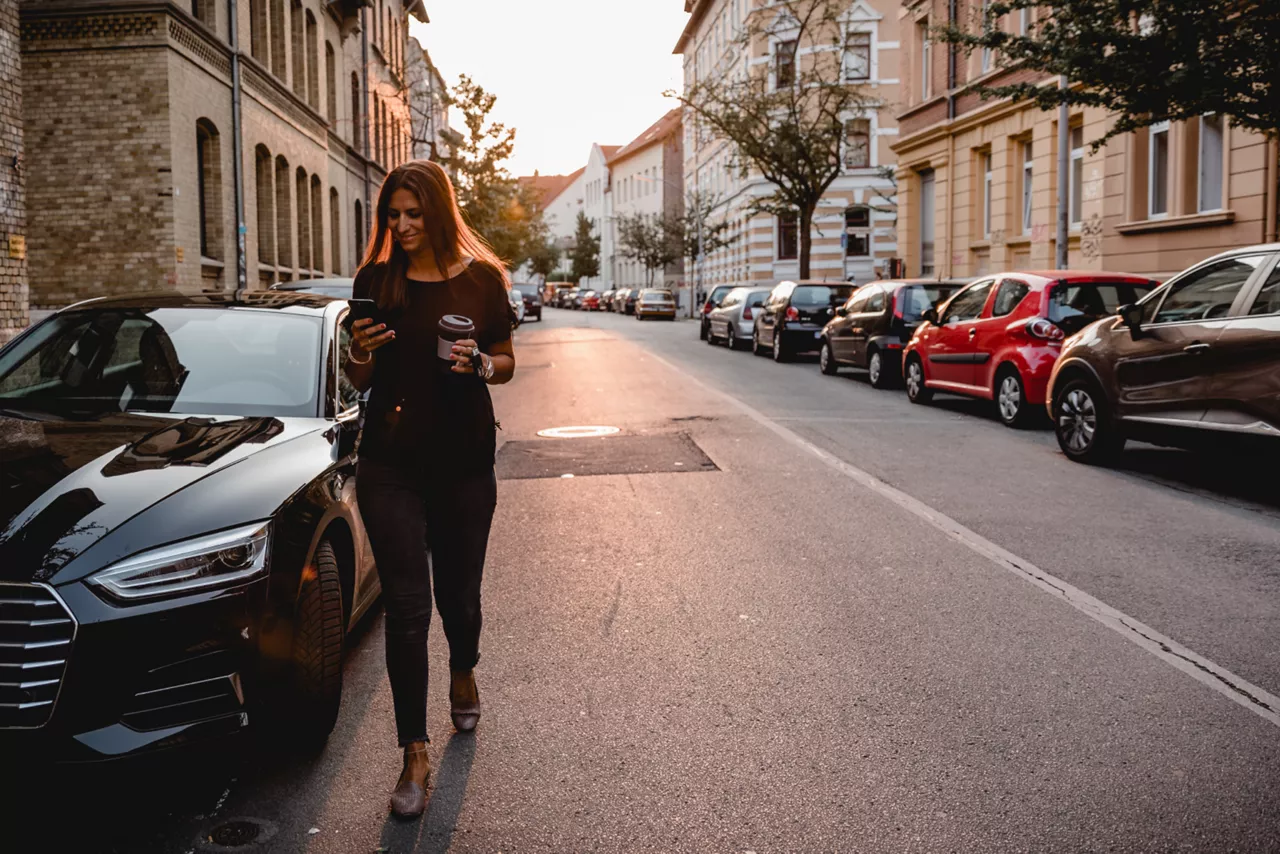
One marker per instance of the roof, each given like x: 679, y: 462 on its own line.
x: 1087, y: 275
x: 550, y: 186
x: 655, y: 133
x: 699, y: 10
x: 608, y: 151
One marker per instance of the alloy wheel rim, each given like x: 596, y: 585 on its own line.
x: 913, y: 379
x: 825, y: 356
x: 1077, y: 420
x: 1010, y: 398
x: 873, y: 368
x: 777, y: 343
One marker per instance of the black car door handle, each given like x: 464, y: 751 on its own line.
x: 972, y: 333
x: 1196, y: 347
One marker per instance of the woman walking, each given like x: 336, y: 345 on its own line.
x: 439, y: 334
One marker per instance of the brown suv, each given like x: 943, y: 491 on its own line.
x: 1197, y: 358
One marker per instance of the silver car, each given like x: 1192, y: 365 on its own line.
x: 732, y: 320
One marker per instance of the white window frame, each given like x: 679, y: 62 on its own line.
x: 871, y: 49
x: 926, y: 55
x: 1076, y: 205
x: 1156, y: 130
x: 773, y: 61
x: 1028, y: 184
x: 986, y: 51
x: 987, y: 179
x: 871, y: 135
x: 1024, y: 20
x: 1217, y: 204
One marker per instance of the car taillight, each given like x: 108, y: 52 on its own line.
x: 896, y: 305
x: 747, y: 314
x: 1044, y: 329
x: 706, y: 308
x: 792, y: 314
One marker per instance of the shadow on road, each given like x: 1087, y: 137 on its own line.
x: 433, y: 833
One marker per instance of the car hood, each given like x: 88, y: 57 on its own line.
x: 67, y: 483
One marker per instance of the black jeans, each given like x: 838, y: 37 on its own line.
x: 420, y: 526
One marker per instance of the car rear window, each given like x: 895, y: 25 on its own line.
x: 917, y: 299
x: 1074, y: 305
x: 817, y: 296
x: 656, y: 296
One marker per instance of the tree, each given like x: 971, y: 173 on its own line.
x: 544, y: 258
x: 585, y: 256
x: 1146, y: 61
x: 785, y: 119
x: 651, y: 240
x: 504, y: 211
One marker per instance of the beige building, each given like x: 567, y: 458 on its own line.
x: 13, y: 225
x: 854, y: 232
x: 149, y: 128
x: 978, y: 181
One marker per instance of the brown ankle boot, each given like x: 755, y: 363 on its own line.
x: 409, y: 799
x: 464, y: 700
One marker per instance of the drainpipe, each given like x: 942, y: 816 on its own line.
x: 1064, y: 176
x: 364, y: 126
x: 1270, y: 192
x: 952, y: 79
x: 237, y: 144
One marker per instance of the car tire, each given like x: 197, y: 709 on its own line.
x: 755, y: 342
x: 318, y: 639
x: 704, y: 330
x: 1011, y: 398
x: 876, y: 373
x: 735, y: 343
x: 1083, y: 425
x: 827, y: 360
x: 917, y: 391
x: 780, y: 353
x: 710, y: 337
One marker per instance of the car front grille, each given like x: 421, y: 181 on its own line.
x: 36, y: 633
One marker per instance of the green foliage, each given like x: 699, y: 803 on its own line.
x: 544, y: 258
x: 651, y: 240
x: 1146, y: 61
x: 585, y: 256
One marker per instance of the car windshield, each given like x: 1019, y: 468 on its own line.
x: 820, y: 296
x: 189, y: 361
x: 917, y: 299
x: 656, y: 296
x: 1074, y: 305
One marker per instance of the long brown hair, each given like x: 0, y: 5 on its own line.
x: 446, y: 232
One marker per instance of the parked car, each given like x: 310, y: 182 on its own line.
x: 180, y: 548
x: 588, y: 301
x: 713, y: 301
x: 517, y: 308
x: 606, y: 299
x: 338, y: 286
x: 791, y: 320
x: 732, y: 321
x: 573, y: 299
x: 998, y: 338
x: 655, y: 302
x: 629, y: 300
x: 531, y: 296
x: 1195, y: 362
x: 874, y: 325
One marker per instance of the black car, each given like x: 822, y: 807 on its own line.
x: 180, y: 550
x: 710, y: 304
x: 876, y: 322
x: 532, y: 296
x: 793, y: 316
x: 629, y: 301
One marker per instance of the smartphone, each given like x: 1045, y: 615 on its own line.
x: 359, y: 310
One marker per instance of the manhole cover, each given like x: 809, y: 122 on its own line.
x: 240, y: 833
x: 235, y: 833
x: 576, y: 432
x: 664, y: 452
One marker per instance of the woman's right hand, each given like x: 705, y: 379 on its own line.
x: 367, y: 337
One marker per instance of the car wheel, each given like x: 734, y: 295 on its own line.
x: 917, y: 391
x: 1011, y: 398
x: 755, y: 342
x: 318, y: 638
x: 710, y: 337
x: 876, y: 373
x: 704, y: 332
x: 735, y: 343
x: 826, y: 361
x: 1083, y: 425
x: 780, y: 353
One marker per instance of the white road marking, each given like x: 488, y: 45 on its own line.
x: 1237, y: 689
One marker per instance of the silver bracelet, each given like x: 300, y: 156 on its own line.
x: 351, y: 358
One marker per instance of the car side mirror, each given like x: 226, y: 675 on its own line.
x: 931, y: 315
x: 843, y: 311
x: 1132, y: 316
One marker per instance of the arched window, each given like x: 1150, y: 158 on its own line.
x: 313, y: 63
x: 209, y: 188
x: 386, y: 36
x: 284, y: 217
x: 377, y: 130
x: 297, y: 27
x: 266, y: 208
x: 203, y: 10
x: 359, y: 256
x: 335, y: 231
x: 259, y: 31
x: 317, y: 223
x: 331, y: 83
x: 278, y: 65
x: 304, y: 222
x: 357, y: 138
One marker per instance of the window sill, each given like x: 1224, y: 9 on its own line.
x: 1018, y: 240
x: 1173, y: 223
x: 206, y: 261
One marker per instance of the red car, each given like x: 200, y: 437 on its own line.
x: 591, y: 301
x: 999, y: 337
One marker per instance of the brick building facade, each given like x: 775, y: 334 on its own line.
x: 131, y: 175
x: 13, y: 227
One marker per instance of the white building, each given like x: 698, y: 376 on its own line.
x: 429, y: 112
x: 647, y: 178
x: 598, y: 206
x: 562, y: 198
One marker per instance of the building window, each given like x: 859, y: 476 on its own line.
x: 857, y: 56
x: 331, y: 84
x: 1028, y: 184
x: 284, y: 215
x: 926, y: 58
x: 857, y: 144
x: 265, y: 194
x: 1211, y: 150
x: 927, y: 227
x: 360, y: 247
x: 788, y: 237
x: 857, y: 231
x: 313, y: 63
x: 357, y: 138
x: 335, y: 231
x: 304, y: 220
x: 298, y: 27
x: 209, y: 189
x: 376, y: 118
x: 986, y: 28
x: 317, y: 223
x: 1158, y: 176
x: 259, y: 31
x: 203, y: 11
x: 984, y: 161
x: 1077, y: 177
x: 784, y: 64
x: 278, y: 66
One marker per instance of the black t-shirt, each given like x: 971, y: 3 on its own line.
x: 419, y: 411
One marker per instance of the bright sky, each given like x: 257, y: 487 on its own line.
x: 566, y: 73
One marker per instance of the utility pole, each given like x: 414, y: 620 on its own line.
x: 1064, y: 177
x: 237, y: 149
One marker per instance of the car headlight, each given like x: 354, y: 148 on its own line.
x: 215, y: 560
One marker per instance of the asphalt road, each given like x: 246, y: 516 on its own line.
x: 790, y: 613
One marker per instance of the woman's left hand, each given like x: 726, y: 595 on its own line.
x: 462, y: 356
